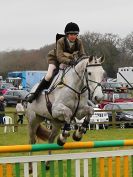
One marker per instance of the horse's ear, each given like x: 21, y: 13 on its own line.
x: 102, y: 59
x: 90, y: 58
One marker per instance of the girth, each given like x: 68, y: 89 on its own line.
x: 49, y: 105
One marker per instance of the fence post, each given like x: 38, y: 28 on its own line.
x: 113, y: 119
x: 15, y: 122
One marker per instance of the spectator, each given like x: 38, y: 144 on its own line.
x: 2, y: 109
x: 20, y: 111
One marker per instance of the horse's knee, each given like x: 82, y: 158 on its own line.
x: 61, y: 112
x: 91, y: 110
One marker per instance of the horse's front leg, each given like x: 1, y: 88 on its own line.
x: 87, y: 112
x: 34, y: 122
x: 62, y: 114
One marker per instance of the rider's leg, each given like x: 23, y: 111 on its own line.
x: 49, y: 74
x: 44, y: 84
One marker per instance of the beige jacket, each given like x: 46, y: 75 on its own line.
x: 63, y: 53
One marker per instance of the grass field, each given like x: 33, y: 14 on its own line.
x: 21, y: 137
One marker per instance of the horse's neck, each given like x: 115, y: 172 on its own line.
x: 74, y: 77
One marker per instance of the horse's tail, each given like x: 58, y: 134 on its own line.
x: 43, y: 133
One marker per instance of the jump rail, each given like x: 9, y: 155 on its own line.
x: 70, y: 145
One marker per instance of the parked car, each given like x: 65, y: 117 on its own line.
x: 11, y: 97
x: 111, y: 85
x: 120, y: 114
x: 4, y: 87
x: 96, y: 117
x: 114, y: 96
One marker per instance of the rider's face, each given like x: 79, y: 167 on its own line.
x: 72, y: 37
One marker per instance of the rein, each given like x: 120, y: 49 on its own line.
x: 48, y: 103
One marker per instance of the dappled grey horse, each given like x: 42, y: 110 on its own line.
x: 66, y: 98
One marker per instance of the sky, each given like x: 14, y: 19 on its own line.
x: 32, y: 24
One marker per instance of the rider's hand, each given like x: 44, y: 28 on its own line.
x: 72, y: 62
x: 68, y: 55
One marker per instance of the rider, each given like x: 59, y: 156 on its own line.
x: 64, y: 53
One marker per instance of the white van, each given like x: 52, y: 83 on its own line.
x: 97, y: 117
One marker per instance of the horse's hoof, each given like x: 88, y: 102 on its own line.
x: 47, y: 167
x: 76, y: 138
x: 30, y: 168
x: 30, y: 171
x: 60, y: 142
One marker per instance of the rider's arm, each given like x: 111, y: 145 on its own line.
x: 62, y: 56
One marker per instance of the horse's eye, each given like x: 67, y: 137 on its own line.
x: 89, y: 73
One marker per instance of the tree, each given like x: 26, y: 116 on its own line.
x: 118, y: 53
x: 98, y: 44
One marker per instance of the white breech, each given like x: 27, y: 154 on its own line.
x: 49, y: 74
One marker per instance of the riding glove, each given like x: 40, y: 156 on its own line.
x: 72, y: 62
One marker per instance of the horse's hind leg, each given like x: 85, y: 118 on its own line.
x: 54, y: 132
x: 56, y: 126
x: 34, y: 123
x: 32, y: 131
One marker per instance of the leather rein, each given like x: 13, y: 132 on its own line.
x: 85, y: 75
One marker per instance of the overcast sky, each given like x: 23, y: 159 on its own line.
x: 31, y: 24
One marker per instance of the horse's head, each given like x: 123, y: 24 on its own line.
x: 94, y: 75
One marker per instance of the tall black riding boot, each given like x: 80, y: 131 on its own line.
x: 43, y: 85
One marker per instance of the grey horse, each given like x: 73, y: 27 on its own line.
x: 68, y: 97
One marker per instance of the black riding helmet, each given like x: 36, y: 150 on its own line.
x: 71, y: 28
